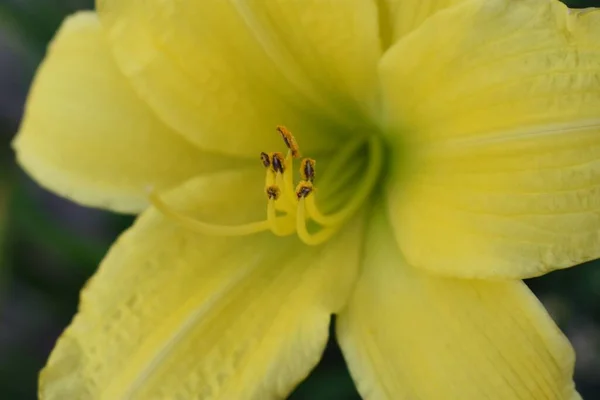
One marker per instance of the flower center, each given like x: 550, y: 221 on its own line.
x: 291, y: 207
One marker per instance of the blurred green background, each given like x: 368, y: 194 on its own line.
x: 49, y: 247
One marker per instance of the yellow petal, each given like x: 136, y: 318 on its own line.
x: 176, y: 315
x: 87, y: 136
x: 410, y: 335
x: 501, y: 116
x: 225, y: 73
x: 400, y: 17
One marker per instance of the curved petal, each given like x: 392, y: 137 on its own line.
x: 502, y: 115
x: 87, y: 136
x: 175, y: 314
x: 400, y: 17
x: 410, y: 335
x: 225, y: 73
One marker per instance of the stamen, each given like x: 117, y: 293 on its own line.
x: 307, y: 169
x: 269, y: 178
x: 289, y: 140
x: 275, y: 180
x: 288, y: 180
x: 303, y: 189
x: 277, y: 162
x: 273, y: 192
x: 290, y: 209
x: 285, y: 229
x: 266, y: 160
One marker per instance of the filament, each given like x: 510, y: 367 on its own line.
x: 310, y: 239
x: 204, y: 227
x: 275, y: 223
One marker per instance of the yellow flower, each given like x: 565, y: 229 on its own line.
x: 457, y: 149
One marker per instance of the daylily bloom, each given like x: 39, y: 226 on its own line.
x: 452, y: 149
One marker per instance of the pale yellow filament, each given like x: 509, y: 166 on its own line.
x: 288, y: 178
x: 206, y: 228
x: 310, y: 239
x: 275, y: 223
x: 285, y: 203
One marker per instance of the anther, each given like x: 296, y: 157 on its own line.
x: 264, y: 157
x: 307, y: 169
x: 277, y: 162
x: 289, y: 140
x: 273, y: 192
x: 303, y: 189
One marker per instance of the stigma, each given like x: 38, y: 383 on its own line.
x: 291, y: 207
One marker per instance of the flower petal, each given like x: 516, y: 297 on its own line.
x: 174, y: 314
x: 225, y: 73
x: 400, y: 17
x: 502, y: 117
x: 410, y: 335
x: 87, y: 136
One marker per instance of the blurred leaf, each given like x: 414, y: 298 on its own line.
x: 582, y: 3
x: 330, y: 379
x: 37, y: 225
x: 34, y: 24
x: 4, y: 200
x: 326, y: 384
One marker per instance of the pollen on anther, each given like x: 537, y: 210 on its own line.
x: 289, y: 140
x: 277, y: 162
x: 273, y: 192
x: 303, y: 189
x: 307, y: 169
x: 264, y: 157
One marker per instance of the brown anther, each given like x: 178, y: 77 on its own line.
x: 303, y: 189
x: 264, y: 157
x: 273, y: 192
x: 307, y: 169
x: 277, y: 162
x: 289, y: 140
